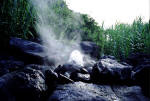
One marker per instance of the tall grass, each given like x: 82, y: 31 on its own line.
x: 16, y: 18
x: 124, y: 39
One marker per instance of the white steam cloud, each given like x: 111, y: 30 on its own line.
x: 58, y: 48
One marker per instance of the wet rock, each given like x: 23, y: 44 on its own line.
x: 142, y: 77
x: 89, y: 69
x: 42, y: 68
x: 7, y: 66
x: 51, y: 77
x: 90, y: 48
x: 62, y: 79
x: 84, y: 71
x: 51, y: 81
x: 80, y: 91
x: 80, y: 77
x: 108, y: 56
x: 25, y: 85
x: 132, y: 93
x: 110, y: 71
x: 69, y: 68
x: 30, y: 52
x: 136, y: 59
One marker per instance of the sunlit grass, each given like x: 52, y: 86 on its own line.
x: 17, y: 18
x: 124, y: 39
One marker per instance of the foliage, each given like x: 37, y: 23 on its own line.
x: 17, y: 18
x: 122, y: 39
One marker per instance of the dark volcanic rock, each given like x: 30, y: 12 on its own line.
x: 70, y: 73
x: 62, y: 79
x: 90, y: 48
x: 142, y: 77
x: 51, y: 77
x: 80, y: 77
x: 80, y: 91
x: 25, y: 85
x: 110, y: 71
x: 7, y: 66
x: 141, y: 70
x: 29, y: 51
x: 136, y: 59
x: 68, y: 68
x: 133, y: 93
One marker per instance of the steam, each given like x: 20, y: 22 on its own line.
x: 77, y: 58
x: 58, y: 47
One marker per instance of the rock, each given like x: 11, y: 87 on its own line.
x: 69, y: 72
x: 62, y: 79
x: 108, y: 56
x: 142, y: 77
x: 80, y: 91
x: 90, y: 48
x: 84, y: 71
x: 69, y: 68
x: 110, y: 71
x: 25, y: 85
x: 136, y: 59
x: 89, y: 69
x: 51, y: 81
x: 51, y: 77
x: 80, y: 77
x: 42, y: 68
x: 7, y: 66
x: 126, y: 93
x: 30, y: 52
x: 141, y: 70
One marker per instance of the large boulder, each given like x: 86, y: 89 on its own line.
x: 141, y: 75
x: 129, y: 93
x: 7, y: 66
x: 141, y: 70
x: 110, y: 71
x: 72, y: 72
x: 29, y: 51
x: 51, y: 77
x: 25, y: 85
x: 136, y: 59
x: 90, y: 48
x: 80, y: 91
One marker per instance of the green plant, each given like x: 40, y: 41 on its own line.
x: 120, y: 40
x: 16, y: 18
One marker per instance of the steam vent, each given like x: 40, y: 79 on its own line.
x: 51, y: 53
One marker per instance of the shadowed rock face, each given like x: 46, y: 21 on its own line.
x: 90, y: 48
x: 23, y: 79
x: 28, y: 51
x: 7, y: 66
x: 80, y: 91
x: 141, y: 70
x: 142, y: 77
x: 110, y: 71
x: 25, y: 85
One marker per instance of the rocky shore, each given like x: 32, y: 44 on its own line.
x: 27, y: 75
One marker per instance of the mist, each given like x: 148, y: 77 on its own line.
x: 59, y: 48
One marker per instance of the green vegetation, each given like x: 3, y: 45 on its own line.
x: 17, y: 18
